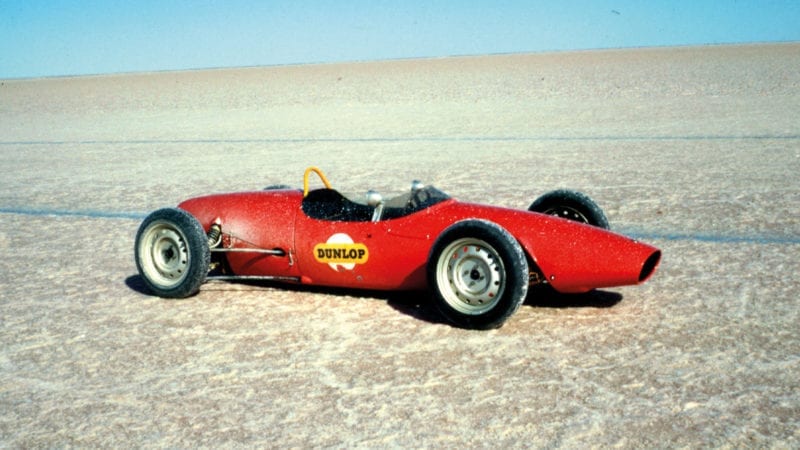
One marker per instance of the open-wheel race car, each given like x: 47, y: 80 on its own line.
x: 477, y: 260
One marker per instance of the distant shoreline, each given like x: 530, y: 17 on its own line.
x: 411, y: 59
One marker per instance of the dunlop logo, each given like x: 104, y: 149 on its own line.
x: 341, y: 253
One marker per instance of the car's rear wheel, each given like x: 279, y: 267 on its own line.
x: 478, y: 274
x: 571, y: 205
x: 172, y: 253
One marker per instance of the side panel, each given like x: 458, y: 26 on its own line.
x: 359, y: 254
x: 395, y: 252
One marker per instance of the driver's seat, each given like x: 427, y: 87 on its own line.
x: 329, y: 204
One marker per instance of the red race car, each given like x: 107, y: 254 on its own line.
x: 478, y: 261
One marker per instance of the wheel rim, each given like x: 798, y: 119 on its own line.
x: 164, y: 254
x: 565, y: 212
x: 471, y: 276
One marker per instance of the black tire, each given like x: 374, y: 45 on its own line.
x: 172, y: 253
x: 478, y: 274
x: 571, y: 205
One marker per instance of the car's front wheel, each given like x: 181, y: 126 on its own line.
x: 172, y: 253
x: 478, y: 274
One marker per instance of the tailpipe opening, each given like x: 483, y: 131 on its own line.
x: 649, y: 266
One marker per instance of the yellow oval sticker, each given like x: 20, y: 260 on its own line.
x: 341, y: 252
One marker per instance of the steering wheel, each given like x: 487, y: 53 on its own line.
x: 418, y: 198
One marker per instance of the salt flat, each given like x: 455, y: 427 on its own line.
x: 695, y: 150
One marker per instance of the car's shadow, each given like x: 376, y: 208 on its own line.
x: 413, y: 303
x: 419, y: 306
x: 136, y: 284
x: 546, y: 297
x: 416, y: 304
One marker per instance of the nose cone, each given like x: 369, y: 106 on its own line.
x: 577, y: 258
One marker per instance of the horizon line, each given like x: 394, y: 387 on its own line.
x: 397, y: 59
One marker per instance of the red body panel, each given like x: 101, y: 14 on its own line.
x: 392, y: 254
x: 256, y: 220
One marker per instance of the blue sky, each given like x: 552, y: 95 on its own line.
x: 58, y: 37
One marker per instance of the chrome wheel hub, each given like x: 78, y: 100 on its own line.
x: 164, y: 254
x: 471, y: 276
x: 565, y: 212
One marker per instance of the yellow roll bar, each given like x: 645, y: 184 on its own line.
x: 319, y: 174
